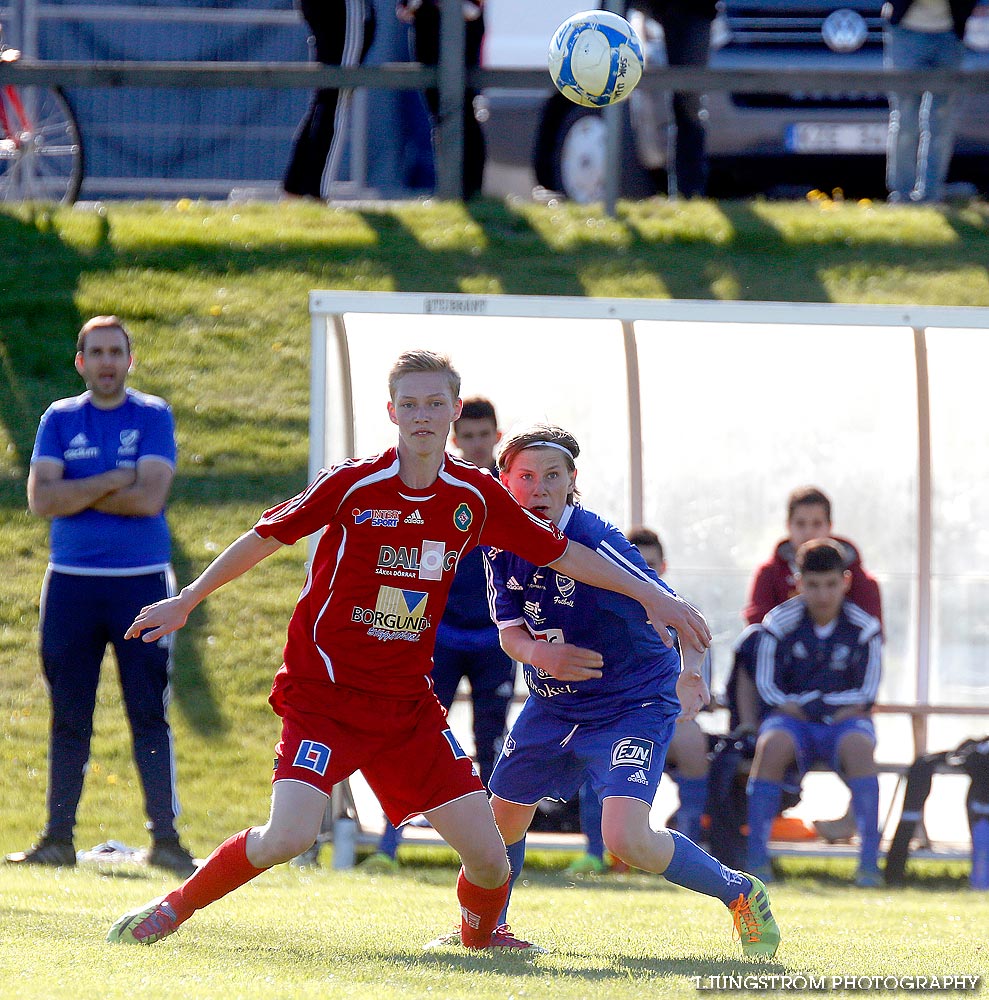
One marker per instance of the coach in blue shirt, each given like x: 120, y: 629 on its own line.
x: 101, y: 470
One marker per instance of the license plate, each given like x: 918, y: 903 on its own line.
x: 812, y: 137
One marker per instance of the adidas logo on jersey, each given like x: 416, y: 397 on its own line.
x: 79, y: 441
x: 513, y: 584
x: 415, y: 517
x: 639, y: 777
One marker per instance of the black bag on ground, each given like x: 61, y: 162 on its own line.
x: 972, y: 757
x: 727, y: 804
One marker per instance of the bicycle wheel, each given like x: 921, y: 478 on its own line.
x: 41, y: 155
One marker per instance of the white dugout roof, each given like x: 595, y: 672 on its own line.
x: 698, y: 418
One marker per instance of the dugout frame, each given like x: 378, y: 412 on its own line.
x: 332, y: 394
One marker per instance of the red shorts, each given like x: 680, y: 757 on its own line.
x: 404, y: 749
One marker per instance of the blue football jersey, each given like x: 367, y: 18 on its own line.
x: 638, y: 668
x: 87, y: 441
x: 820, y: 670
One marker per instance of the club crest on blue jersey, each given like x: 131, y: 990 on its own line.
x: 632, y: 752
x: 312, y: 756
x: 458, y: 750
x: 839, y: 658
x: 463, y: 517
x: 129, y: 440
x: 565, y: 588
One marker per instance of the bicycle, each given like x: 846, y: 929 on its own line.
x: 41, y: 152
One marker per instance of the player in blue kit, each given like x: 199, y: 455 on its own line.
x: 101, y: 470
x: 605, y: 693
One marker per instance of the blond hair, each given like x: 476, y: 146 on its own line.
x: 414, y: 362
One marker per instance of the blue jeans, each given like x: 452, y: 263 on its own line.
x: 921, y: 126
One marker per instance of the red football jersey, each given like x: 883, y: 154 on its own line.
x: 379, y: 579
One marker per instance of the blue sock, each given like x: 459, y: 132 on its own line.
x: 516, y: 858
x: 390, y: 840
x: 693, y: 799
x: 865, y: 805
x: 764, y: 806
x: 590, y: 820
x: 696, y: 869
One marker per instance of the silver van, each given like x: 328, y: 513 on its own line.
x: 789, y: 142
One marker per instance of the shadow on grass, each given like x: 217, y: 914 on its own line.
x: 38, y: 326
x: 756, y: 261
x: 684, y: 967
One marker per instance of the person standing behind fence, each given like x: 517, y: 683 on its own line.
x: 922, y: 34
x: 686, y: 28
x: 342, y: 32
x: 423, y: 17
x: 101, y: 470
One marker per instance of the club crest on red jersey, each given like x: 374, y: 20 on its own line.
x: 463, y: 517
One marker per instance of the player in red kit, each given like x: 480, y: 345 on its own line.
x: 354, y: 691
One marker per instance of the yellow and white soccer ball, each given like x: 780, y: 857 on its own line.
x: 595, y: 58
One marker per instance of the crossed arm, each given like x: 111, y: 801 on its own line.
x: 140, y: 491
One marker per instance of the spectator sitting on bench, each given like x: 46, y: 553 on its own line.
x: 808, y: 515
x: 818, y: 665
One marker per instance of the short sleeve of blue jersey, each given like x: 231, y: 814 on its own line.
x: 615, y: 546
x: 158, y: 436
x: 46, y: 442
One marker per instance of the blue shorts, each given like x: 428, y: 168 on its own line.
x: 817, y: 741
x: 545, y: 757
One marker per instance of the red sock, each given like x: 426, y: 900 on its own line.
x: 226, y: 869
x: 479, y: 911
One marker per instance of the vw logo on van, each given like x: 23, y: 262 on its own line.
x: 844, y: 31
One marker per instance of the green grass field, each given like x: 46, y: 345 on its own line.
x: 216, y: 298
x: 321, y: 933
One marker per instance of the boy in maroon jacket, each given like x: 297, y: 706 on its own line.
x: 808, y: 517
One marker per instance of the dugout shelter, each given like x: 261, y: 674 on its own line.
x: 698, y: 418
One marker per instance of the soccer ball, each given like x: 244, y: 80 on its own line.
x: 595, y: 58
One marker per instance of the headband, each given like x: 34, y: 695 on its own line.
x: 549, y: 444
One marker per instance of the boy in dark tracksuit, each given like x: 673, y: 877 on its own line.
x: 818, y: 665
